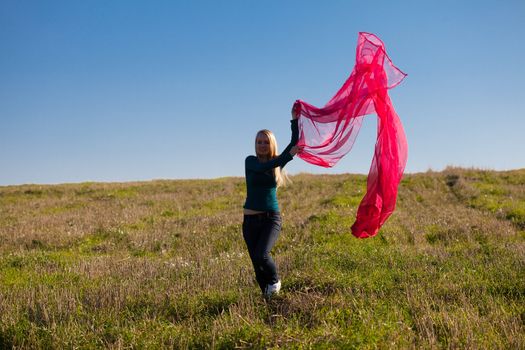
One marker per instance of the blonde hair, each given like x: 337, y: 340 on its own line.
x: 281, y: 177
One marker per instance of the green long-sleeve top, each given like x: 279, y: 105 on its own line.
x: 261, y: 185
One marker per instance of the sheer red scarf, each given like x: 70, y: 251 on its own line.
x: 328, y: 133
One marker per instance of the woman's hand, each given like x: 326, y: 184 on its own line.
x: 296, y: 110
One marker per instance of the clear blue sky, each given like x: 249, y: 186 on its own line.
x: 137, y: 90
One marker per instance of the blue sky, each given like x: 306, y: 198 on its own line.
x: 139, y: 90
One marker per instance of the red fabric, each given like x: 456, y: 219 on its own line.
x: 328, y: 133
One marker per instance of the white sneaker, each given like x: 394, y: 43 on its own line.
x: 272, y: 289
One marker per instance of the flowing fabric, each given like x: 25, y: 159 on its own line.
x: 328, y: 133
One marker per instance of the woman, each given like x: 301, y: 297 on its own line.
x: 262, y: 220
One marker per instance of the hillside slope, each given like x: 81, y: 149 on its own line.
x: 163, y: 264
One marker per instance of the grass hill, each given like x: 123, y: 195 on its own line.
x: 163, y: 264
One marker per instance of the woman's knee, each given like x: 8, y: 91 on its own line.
x: 262, y: 259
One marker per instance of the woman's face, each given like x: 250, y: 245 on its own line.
x: 262, y: 143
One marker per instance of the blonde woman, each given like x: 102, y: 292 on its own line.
x: 262, y: 219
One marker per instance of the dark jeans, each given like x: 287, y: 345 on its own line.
x: 260, y: 232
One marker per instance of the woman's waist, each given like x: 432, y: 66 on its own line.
x: 260, y: 213
x: 253, y: 212
x: 258, y: 205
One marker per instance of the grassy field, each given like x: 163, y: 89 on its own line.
x: 162, y: 264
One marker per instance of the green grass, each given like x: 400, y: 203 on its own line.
x: 162, y: 264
